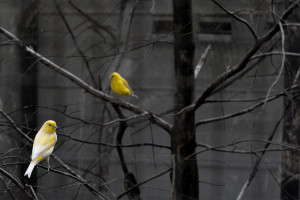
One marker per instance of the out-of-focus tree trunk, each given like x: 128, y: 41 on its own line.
x: 185, y: 171
x: 291, y: 133
x: 28, y: 32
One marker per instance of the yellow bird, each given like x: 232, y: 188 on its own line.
x: 120, y: 86
x: 43, y: 145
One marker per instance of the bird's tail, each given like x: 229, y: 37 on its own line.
x: 30, y: 168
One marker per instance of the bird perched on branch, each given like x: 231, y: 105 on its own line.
x: 43, y: 145
x: 120, y: 86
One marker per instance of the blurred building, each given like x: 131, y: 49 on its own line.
x: 94, y: 38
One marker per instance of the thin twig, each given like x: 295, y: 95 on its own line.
x: 82, y: 84
x: 242, y: 64
x: 260, y: 156
x: 280, y: 72
x: 91, y: 188
x: 236, y: 114
x: 85, y: 183
x: 117, y: 145
x: 143, y: 182
x: 12, y: 178
x: 237, y: 18
x: 33, y: 192
x: 257, y: 163
x: 16, y: 181
x: 74, y: 39
x: 259, y: 55
x: 93, y: 21
x: 15, y: 126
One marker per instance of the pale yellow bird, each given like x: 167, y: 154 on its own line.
x: 43, y: 145
x: 120, y: 86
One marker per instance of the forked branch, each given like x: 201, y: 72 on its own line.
x: 241, y: 65
x: 82, y: 84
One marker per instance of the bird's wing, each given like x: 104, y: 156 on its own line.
x: 125, y: 83
x: 42, y: 143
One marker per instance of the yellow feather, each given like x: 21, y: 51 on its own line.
x: 119, y: 85
x: 43, y: 138
x: 49, y: 126
x: 39, y: 158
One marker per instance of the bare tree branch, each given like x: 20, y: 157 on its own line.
x: 242, y: 64
x: 78, y: 48
x: 85, y: 183
x: 91, y: 188
x: 16, y: 181
x: 246, y: 110
x: 274, y: 53
x: 129, y: 179
x: 257, y: 163
x: 142, y: 117
x: 118, y: 145
x: 281, y: 69
x: 143, y: 182
x: 237, y: 18
x: 69, y: 115
x: 93, y: 21
x: 152, y: 117
x: 32, y: 191
x: 12, y: 178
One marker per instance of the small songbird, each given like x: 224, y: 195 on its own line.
x: 43, y: 145
x: 120, y: 86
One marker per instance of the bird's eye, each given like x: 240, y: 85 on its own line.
x: 49, y: 124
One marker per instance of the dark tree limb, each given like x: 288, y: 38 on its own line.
x: 242, y: 64
x: 259, y: 159
x: 17, y: 183
x: 32, y: 191
x: 93, y: 21
x: 143, y: 182
x: 88, y: 88
x: 242, y: 112
x: 78, y: 48
x: 237, y: 18
x: 129, y: 179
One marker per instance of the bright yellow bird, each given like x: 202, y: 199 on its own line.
x: 120, y: 86
x: 43, y: 145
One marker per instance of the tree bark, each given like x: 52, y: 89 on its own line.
x: 185, y: 171
x: 291, y: 129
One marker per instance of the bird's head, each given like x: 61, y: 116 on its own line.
x: 49, y: 126
x: 114, y: 75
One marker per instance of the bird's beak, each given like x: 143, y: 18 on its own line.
x: 55, y: 126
